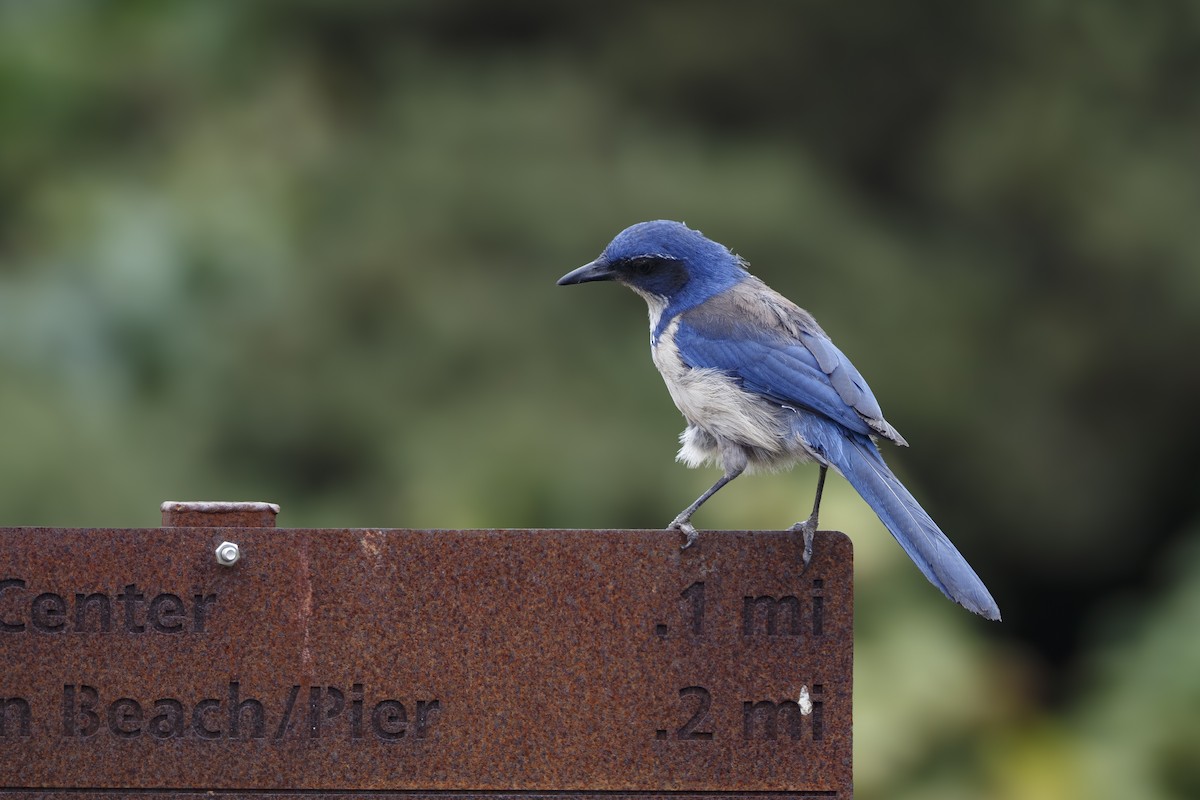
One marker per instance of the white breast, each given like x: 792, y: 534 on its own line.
x: 713, y: 402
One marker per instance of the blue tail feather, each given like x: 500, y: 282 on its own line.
x: 857, y: 458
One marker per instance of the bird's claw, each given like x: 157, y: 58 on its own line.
x: 809, y: 529
x: 687, y: 529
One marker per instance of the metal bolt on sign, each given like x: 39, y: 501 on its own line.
x: 228, y: 554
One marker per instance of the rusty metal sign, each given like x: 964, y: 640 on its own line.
x: 406, y: 663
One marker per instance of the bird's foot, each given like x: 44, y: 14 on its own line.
x: 809, y: 529
x: 687, y: 529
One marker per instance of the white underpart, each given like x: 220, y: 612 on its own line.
x: 656, y: 304
x: 744, y: 426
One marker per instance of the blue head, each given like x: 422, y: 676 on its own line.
x: 666, y: 262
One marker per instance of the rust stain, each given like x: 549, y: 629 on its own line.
x: 372, y: 544
x: 305, y: 608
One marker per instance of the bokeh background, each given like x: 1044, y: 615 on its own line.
x: 305, y: 252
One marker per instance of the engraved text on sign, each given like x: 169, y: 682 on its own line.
x: 455, y: 661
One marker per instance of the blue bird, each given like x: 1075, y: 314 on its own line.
x: 762, y: 387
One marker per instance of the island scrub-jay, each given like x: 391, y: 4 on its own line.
x: 762, y: 386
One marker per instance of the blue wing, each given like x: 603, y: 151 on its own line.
x: 777, y: 350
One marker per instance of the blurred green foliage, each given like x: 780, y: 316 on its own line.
x: 305, y: 252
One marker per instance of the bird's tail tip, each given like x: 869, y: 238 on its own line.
x: 916, y: 532
x: 989, y: 612
x: 955, y: 578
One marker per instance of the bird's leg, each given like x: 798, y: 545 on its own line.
x: 809, y: 526
x: 682, y: 522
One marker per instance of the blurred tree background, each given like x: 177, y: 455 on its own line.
x: 305, y: 252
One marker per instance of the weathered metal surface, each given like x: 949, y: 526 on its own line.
x: 406, y: 663
x: 209, y: 514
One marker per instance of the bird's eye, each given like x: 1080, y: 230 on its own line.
x: 643, y: 266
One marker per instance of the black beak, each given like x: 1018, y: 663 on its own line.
x: 598, y: 270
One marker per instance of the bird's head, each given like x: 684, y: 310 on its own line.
x: 664, y: 261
